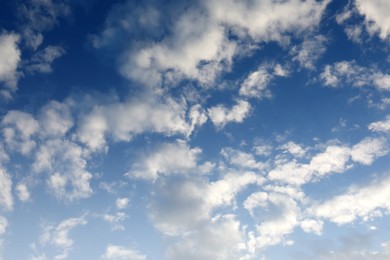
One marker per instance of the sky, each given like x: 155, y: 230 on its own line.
x: 251, y: 129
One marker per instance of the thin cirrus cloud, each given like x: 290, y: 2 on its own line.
x: 194, y: 130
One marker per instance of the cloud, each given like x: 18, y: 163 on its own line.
x: 368, y: 150
x: 119, y: 252
x: 222, y: 238
x: 198, y: 44
x: 18, y: 130
x: 41, y: 61
x: 279, y: 222
x: 376, y: 16
x: 365, y: 202
x: 312, y: 226
x: 334, y: 159
x: 256, y: 83
x: 181, y: 205
x: 6, y: 198
x: 22, y: 192
x: 380, y: 126
x: 59, y: 236
x: 55, y: 119
x: 349, y: 73
x: 137, y: 116
x: 294, y: 149
x: 39, y: 16
x: 221, y: 115
x: 241, y: 159
x: 309, y: 51
x: 10, y: 57
x: 3, y: 225
x: 122, y: 203
x: 66, y: 165
x: 115, y: 220
x: 169, y: 158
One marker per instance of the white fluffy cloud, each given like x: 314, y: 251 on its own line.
x: 39, y: 16
x: 363, y: 202
x: 380, y: 126
x: 294, y: 149
x: 182, y: 205
x: 241, y: 159
x: 22, y: 192
x: 376, y: 16
x: 309, y: 51
x: 151, y: 114
x: 221, y: 115
x: 256, y: 83
x: 41, y: 61
x: 6, y: 198
x: 220, y: 239
x: 334, y: 159
x: 122, y: 203
x: 9, y: 60
x: 368, y: 150
x: 272, y: 230
x: 66, y: 165
x: 115, y: 252
x: 18, y: 130
x: 3, y: 225
x: 115, y: 220
x: 170, y: 158
x: 349, y: 73
x: 58, y: 236
x: 198, y: 45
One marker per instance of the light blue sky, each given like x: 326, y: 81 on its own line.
x: 255, y: 129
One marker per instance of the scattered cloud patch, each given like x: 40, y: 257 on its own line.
x: 124, y: 253
x: 10, y: 57
x: 221, y: 115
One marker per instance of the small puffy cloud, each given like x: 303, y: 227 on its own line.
x: 221, y: 115
x: 3, y: 225
x: 241, y: 159
x: 169, y: 158
x: 55, y: 119
x: 380, y: 126
x: 349, y: 73
x: 366, y: 151
x: 263, y: 149
x: 256, y: 83
x: 6, y: 198
x: 115, y: 252
x: 309, y: 51
x: 122, y: 203
x: 66, y: 166
x: 59, y: 236
x: 41, y: 61
x: 312, y: 226
x: 18, y: 130
x: 333, y: 159
x: 10, y: 57
x: 115, y: 220
x: 365, y: 202
x: 294, y: 149
x: 22, y: 192
x: 123, y: 120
